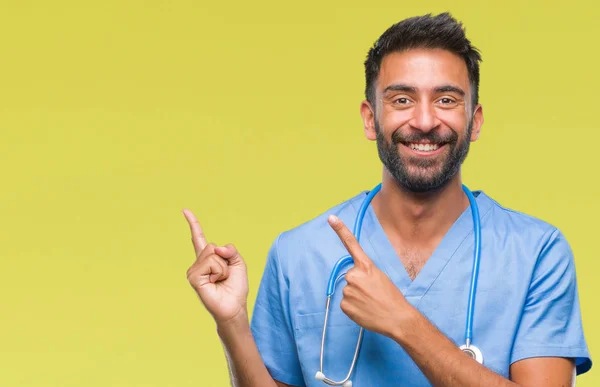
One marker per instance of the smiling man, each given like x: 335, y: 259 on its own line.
x: 410, y: 286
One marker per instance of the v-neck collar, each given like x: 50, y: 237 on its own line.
x: 388, y: 261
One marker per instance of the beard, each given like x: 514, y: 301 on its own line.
x: 417, y: 174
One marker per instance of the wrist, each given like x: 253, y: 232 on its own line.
x: 405, y: 323
x: 237, y: 323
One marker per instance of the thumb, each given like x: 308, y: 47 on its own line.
x: 230, y: 253
x: 349, y: 240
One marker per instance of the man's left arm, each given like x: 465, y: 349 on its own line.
x: 373, y: 302
x: 444, y: 364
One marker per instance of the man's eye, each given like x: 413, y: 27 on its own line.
x: 446, y: 101
x: 402, y: 101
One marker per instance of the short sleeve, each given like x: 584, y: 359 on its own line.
x: 551, y: 324
x: 271, y: 324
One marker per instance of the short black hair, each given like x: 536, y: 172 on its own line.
x: 427, y: 31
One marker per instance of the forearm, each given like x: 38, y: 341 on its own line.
x: 246, y: 366
x: 440, y: 360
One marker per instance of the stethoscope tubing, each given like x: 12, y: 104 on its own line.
x: 344, y: 261
x: 475, y: 270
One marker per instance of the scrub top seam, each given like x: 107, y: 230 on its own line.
x: 382, y: 265
x: 470, y: 233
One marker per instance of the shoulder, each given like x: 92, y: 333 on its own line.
x: 510, y: 220
x: 543, y: 261
x: 519, y: 230
x: 314, y: 238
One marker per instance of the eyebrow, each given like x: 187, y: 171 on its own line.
x: 450, y: 89
x: 411, y: 89
x: 400, y: 87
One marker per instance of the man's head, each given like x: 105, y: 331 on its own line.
x: 422, y: 80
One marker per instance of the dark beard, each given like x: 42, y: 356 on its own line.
x: 426, y: 181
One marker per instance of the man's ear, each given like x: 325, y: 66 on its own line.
x: 477, y: 122
x: 368, y: 116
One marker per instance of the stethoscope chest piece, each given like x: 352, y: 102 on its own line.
x: 473, y: 352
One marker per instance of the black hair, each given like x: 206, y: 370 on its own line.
x: 441, y: 31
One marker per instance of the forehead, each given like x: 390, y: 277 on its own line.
x: 424, y: 69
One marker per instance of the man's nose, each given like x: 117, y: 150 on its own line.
x: 424, y: 118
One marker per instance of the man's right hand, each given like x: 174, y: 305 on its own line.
x: 219, y: 276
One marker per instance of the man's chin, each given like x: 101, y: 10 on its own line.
x: 423, y: 166
x: 423, y: 172
x: 422, y: 187
x: 421, y: 182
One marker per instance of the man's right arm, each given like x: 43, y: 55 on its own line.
x: 246, y: 367
x: 219, y: 276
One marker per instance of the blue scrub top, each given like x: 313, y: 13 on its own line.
x: 526, y: 304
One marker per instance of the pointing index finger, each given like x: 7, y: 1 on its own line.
x: 349, y: 241
x: 198, y: 238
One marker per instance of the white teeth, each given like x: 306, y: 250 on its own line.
x: 424, y: 147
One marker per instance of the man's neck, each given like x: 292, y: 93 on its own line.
x: 418, y: 219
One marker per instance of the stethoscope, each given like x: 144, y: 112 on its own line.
x: 468, y: 348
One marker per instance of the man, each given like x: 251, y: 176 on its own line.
x: 409, y: 285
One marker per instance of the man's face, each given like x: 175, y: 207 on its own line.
x: 423, y: 121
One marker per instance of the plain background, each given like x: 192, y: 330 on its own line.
x: 116, y: 115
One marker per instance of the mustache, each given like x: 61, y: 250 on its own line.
x: 432, y: 137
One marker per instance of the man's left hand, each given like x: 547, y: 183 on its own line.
x: 370, y: 298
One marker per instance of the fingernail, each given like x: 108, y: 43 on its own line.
x: 333, y: 219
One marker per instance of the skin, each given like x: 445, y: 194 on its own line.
x: 415, y: 223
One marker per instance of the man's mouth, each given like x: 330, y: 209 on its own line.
x: 423, y: 147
